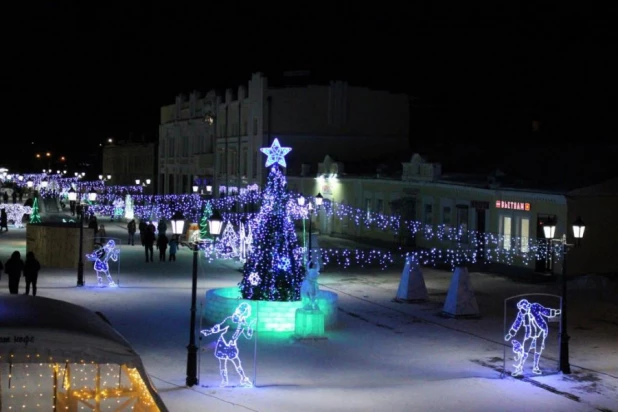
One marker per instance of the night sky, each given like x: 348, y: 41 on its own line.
x: 80, y: 73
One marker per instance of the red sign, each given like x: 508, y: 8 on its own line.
x: 505, y: 204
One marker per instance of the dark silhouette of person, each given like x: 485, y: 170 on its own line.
x: 131, y: 228
x: 14, y: 267
x: 4, y: 224
x: 31, y: 272
x: 162, y: 242
x: 149, y: 240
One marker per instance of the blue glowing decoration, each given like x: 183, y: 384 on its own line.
x: 532, y: 317
x: 228, y: 350
x: 276, y: 153
x: 254, y: 279
x: 100, y: 256
x: 276, y: 255
x: 309, y: 288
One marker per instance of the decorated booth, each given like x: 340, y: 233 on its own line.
x: 56, y: 355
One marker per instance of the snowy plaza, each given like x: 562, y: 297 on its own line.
x: 382, y: 355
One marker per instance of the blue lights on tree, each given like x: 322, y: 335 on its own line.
x: 532, y: 317
x: 275, y: 256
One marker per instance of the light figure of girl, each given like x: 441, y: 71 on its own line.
x: 228, y: 350
x: 532, y: 317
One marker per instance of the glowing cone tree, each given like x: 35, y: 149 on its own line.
x: 273, y: 270
x: 35, y: 216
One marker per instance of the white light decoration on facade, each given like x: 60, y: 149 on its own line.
x: 255, y: 279
x: 227, y: 350
x: 100, y: 256
x: 532, y: 317
x: 276, y: 153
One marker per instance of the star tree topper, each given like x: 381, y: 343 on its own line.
x: 276, y: 153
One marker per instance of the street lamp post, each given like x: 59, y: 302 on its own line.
x: 578, y: 233
x: 214, y: 223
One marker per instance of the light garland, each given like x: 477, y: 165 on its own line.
x: 46, y: 386
x: 15, y: 213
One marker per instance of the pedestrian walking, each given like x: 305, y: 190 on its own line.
x: 14, y: 267
x: 131, y: 228
x: 162, y: 242
x: 31, y: 272
x: 173, y: 248
x: 148, y: 238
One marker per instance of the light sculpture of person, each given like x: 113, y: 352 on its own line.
x: 309, y: 288
x: 100, y: 256
x: 532, y: 316
x: 227, y: 350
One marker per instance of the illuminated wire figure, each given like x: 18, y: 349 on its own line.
x: 100, y: 257
x: 532, y: 316
x: 228, y: 350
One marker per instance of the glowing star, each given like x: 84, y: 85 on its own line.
x: 276, y: 153
x: 254, y: 279
x: 228, y: 350
x: 100, y: 256
x: 532, y: 316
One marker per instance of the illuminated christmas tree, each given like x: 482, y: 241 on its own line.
x: 227, y: 245
x: 273, y: 270
x: 35, y: 217
x: 204, y: 229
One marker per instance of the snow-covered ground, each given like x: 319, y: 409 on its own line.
x: 384, y: 355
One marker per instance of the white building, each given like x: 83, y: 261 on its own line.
x: 216, y: 140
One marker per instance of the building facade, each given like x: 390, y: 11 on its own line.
x: 449, y: 213
x: 216, y: 140
x: 127, y: 161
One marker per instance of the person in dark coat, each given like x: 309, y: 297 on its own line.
x: 131, y: 228
x: 14, y: 267
x: 149, y: 240
x: 31, y: 272
x: 143, y: 226
x: 162, y: 242
x: 4, y: 224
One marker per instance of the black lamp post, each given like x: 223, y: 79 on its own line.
x: 214, y: 224
x: 80, y: 263
x: 578, y: 234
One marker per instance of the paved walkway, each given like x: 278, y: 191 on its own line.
x: 385, y: 355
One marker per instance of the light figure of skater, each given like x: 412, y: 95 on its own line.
x: 228, y: 350
x: 532, y: 316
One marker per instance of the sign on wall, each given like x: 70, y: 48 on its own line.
x: 506, y: 204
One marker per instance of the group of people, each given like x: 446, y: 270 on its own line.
x: 15, y: 266
x: 147, y: 234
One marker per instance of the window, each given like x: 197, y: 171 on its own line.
x: 368, y: 207
x: 505, y: 231
x: 379, y: 206
x: 524, y: 229
x: 171, y: 147
x: 221, y: 162
x: 245, y: 159
x: 255, y: 126
x: 428, y: 214
x: 446, y: 216
x: 462, y: 223
x: 255, y: 163
x: 185, y: 146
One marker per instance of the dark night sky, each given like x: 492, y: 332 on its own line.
x: 80, y: 73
